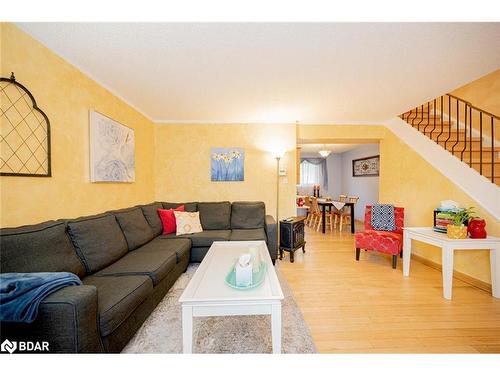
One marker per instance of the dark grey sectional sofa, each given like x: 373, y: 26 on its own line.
x: 126, y: 266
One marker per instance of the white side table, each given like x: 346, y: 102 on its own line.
x: 448, y: 246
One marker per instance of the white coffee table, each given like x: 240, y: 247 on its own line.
x: 207, y: 294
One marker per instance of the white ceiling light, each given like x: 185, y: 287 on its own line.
x: 324, y: 152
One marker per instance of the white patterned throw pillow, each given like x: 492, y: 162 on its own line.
x: 187, y: 222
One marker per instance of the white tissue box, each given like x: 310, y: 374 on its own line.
x: 243, y: 274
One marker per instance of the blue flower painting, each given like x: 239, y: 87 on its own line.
x: 228, y: 164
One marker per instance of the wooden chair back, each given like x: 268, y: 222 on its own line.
x: 342, y: 198
x: 307, y: 201
x: 314, y: 205
x: 353, y: 199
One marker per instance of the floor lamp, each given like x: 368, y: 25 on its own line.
x: 278, y: 155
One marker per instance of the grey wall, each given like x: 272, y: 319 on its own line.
x: 334, y: 168
x: 366, y: 188
x: 340, y: 180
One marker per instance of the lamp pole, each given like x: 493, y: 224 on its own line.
x: 277, y: 203
x: 277, y: 186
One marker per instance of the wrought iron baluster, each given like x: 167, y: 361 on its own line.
x: 470, y: 136
x: 465, y: 133
x: 481, y: 144
x: 421, y: 117
x: 458, y: 129
x: 492, y: 149
x: 434, y: 119
x: 449, y: 122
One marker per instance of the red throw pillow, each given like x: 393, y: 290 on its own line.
x: 168, y: 219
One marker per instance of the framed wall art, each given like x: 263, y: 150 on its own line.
x: 227, y: 164
x: 366, y: 167
x: 112, y: 150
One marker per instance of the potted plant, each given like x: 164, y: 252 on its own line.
x: 458, y: 230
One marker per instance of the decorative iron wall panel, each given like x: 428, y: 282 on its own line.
x: 24, y: 132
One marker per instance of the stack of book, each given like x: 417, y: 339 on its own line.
x: 443, y: 217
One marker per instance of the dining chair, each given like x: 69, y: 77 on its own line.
x: 342, y: 198
x: 307, y: 205
x: 315, y: 214
x: 330, y: 221
x: 345, y: 212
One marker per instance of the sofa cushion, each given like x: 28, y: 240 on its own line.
x: 154, y: 264
x: 188, y: 207
x: 215, y: 215
x: 248, y: 215
x: 150, y: 212
x: 248, y: 235
x: 98, y: 240
x: 134, y: 226
x: 118, y: 297
x: 44, y: 247
x: 179, y: 246
x: 187, y: 222
x: 167, y: 218
x: 205, y: 238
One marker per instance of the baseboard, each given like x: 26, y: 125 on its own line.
x: 459, y: 275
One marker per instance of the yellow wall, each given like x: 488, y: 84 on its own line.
x: 182, y: 165
x: 483, y: 92
x: 408, y: 180
x: 66, y: 95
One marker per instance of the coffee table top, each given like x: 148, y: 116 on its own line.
x: 208, y: 283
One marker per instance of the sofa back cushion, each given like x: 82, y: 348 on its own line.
x: 188, y: 207
x: 98, y: 240
x: 215, y: 215
x: 151, y: 214
x: 44, y: 247
x: 248, y: 215
x: 134, y: 226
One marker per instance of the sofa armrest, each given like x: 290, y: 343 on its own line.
x: 272, y: 236
x: 67, y: 320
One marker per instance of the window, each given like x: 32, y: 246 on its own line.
x: 310, y: 174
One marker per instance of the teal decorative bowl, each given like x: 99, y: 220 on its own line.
x: 257, y: 278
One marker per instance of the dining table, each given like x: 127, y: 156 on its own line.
x: 324, y: 204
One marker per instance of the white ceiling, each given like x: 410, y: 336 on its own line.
x: 275, y: 72
x: 311, y: 149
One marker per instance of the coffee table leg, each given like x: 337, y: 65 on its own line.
x: 276, y: 327
x: 187, y: 329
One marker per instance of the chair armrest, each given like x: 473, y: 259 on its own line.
x: 67, y: 320
x: 272, y: 236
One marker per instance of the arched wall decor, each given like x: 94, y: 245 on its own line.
x: 24, y: 132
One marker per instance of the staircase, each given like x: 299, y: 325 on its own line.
x: 467, y: 132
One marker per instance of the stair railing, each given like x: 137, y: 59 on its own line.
x: 465, y: 130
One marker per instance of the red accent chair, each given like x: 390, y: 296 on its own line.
x: 383, y: 241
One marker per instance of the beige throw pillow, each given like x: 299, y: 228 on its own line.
x: 187, y: 222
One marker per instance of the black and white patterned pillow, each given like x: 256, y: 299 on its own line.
x: 383, y: 217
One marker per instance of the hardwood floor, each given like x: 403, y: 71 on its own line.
x: 367, y: 307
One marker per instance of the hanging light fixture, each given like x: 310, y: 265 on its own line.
x: 324, y: 152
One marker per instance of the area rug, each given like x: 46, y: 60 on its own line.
x: 162, y: 331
